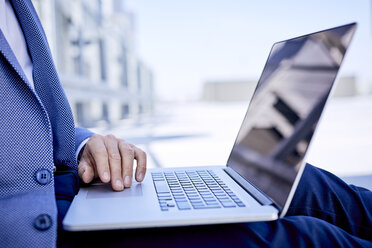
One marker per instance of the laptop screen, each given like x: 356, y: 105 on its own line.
x: 285, y: 109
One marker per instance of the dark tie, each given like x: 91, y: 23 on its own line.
x: 48, y: 86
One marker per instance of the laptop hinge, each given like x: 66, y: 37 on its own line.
x: 252, y: 190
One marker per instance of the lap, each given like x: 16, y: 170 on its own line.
x: 291, y: 231
x: 322, y: 195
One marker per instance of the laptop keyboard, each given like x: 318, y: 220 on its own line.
x: 193, y: 189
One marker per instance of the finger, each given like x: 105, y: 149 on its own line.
x: 85, y: 171
x: 127, y: 157
x: 97, y: 149
x: 141, y: 158
x: 114, y: 162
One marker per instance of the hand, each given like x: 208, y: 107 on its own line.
x: 111, y: 159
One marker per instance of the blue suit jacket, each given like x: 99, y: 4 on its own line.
x: 36, y: 133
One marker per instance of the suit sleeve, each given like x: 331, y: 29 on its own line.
x: 81, y: 136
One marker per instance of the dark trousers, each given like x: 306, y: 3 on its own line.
x: 325, y: 212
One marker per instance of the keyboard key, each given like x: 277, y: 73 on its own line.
x: 193, y: 196
x: 208, y: 180
x: 179, y: 194
x: 207, y: 195
x: 161, y: 187
x: 165, y: 198
x: 189, y: 189
x: 176, y: 189
x: 202, y: 188
x: 157, y: 174
x: 199, y: 182
x: 202, y: 207
x: 164, y: 194
x: 220, y: 194
x: 196, y: 202
x: 225, y: 199
x: 198, y: 206
x: 183, y: 205
x: 176, y: 194
x: 180, y: 197
x: 172, y: 188
x: 228, y: 204
x: 212, y: 206
x: 209, y: 199
x: 216, y: 189
x: 191, y: 192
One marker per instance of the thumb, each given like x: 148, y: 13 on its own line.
x: 86, y: 171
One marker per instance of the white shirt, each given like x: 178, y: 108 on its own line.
x: 12, y: 31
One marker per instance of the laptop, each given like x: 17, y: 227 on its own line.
x: 266, y: 162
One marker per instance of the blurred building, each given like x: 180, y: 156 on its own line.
x: 346, y: 86
x: 93, y: 46
x: 225, y: 91
x: 230, y: 91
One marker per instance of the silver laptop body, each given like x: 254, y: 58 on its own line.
x: 265, y: 164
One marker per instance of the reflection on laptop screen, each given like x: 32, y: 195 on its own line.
x: 285, y: 109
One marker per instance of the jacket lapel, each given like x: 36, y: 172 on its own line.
x: 8, y: 54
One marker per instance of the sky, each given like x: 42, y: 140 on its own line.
x: 188, y: 43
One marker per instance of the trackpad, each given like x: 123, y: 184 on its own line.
x: 106, y: 191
